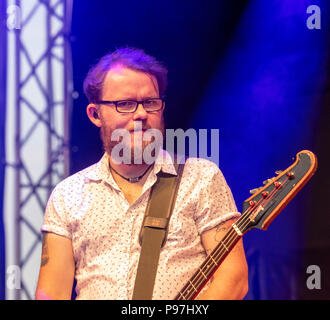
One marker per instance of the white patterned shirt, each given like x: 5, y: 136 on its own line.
x: 90, y: 209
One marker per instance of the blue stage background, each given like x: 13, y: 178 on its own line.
x: 251, y: 69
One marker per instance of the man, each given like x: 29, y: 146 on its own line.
x: 93, y: 218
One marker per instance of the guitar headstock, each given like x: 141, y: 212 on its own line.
x: 268, y: 201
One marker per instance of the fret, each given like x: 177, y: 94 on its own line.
x: 224, y: 245
x: 213, y: 260
x: 184, y: 298
x: 238, y: 231
x: 201, y: 271
x: 192, y: 285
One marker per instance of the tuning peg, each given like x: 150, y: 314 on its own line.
x: 254, y: 190
x: 278, y: 172
x: 268, y: 181
x: 290, y: 175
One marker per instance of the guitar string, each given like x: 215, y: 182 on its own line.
x: 218, y: 253
x: 228, y: 237
x: 197, y: 276
x: 206, y: 264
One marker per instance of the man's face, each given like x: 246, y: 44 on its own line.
x: 125, y: 84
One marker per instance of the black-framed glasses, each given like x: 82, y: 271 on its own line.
x: 130, y: 106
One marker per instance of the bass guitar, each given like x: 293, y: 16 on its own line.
x: 259, y: 211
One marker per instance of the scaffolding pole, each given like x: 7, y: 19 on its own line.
x: 43, y: 100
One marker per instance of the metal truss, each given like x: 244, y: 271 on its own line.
x: 43, y: 94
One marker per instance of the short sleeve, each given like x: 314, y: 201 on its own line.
x: 216, y: 203
x: 55, y: 219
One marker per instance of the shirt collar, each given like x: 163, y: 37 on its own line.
x: 100, y: 170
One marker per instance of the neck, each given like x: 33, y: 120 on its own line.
x: 126, y: 171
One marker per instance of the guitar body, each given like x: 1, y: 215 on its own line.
x: 259, y: 211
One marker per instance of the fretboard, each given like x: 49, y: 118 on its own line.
x: 210, y: 265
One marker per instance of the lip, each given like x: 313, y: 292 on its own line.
x: 142, y: 130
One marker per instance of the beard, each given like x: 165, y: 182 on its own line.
x: 135, y: 146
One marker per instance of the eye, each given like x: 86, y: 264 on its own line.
x: 153, y: 104
x: 150, y: 102
x: 126, y: 104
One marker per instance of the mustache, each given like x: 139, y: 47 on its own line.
x: 139, y: 126
x: 139, y: 129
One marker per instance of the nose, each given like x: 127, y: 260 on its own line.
x: 140, y: 113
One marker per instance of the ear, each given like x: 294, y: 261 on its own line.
x: 92, y: 113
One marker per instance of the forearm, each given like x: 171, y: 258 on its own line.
x: 230, y: 281
x: 52, y: 293
x: 225, y: 287
x: 42, y: 295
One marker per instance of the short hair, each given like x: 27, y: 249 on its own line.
x: 129, y: 57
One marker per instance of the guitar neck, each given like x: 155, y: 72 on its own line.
x: 210, y: 265
x: 259, y: 211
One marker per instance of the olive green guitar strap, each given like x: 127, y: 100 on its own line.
x: 154, y: 231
